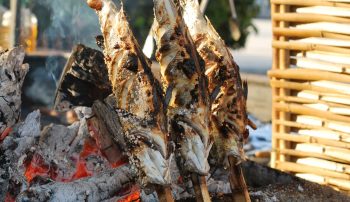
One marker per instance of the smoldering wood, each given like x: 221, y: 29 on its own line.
x: 12, y: 74
x: 13, y: 151
x: 84, y: 79
x: 109, y: 120
x: 101, y: 187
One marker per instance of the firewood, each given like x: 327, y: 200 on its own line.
x: 84, y: 79
x: 12, y: 74
x: 13, y: 150
x: 101, y: 187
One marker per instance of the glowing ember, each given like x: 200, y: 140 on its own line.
x: 37, y: 167
x: 131, y: 194
x: 9, y: 198
x: 6, y: 132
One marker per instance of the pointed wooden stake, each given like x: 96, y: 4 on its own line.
x: 164, y: 194
x: 238, y: 186
x: 200, y: 188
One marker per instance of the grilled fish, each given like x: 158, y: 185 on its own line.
x: 185, y: 84
x: 138, y: 95
x: 228, y: 92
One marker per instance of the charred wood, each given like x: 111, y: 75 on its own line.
x: 12, y: 74
x: 84, y: 79
x: 101, y: 187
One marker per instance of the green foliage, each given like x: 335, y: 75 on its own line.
x: 219, y: 13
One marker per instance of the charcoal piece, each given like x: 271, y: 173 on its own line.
x: 84, y: 79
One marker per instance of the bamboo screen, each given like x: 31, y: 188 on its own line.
x: 310, y: 78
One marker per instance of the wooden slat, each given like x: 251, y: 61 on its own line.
x: 309, y: 75
x: 307, y: 101
x: 299, y: 46
x: 309, y: 139
x: 305, y: 17
x: 311, y: 127
x: 311, y: 3
x: 299, y: 168
x: 304, y: 33
x: 296, y: 153
x: 306, y: 86
x: 303, y: 110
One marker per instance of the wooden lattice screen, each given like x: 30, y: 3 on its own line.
x: 310, y: 78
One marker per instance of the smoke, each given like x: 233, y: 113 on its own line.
x: 69, y: 22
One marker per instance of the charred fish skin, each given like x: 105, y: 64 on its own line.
x: 138, y: 96
x: 182, y: 72
x: 229, y: 93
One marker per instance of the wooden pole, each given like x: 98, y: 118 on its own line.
x: 164, y: 194
x: 311, y: 3
x: 305, y: 33
x: 13, y: 8
x: 310, y: 139
x: 299, y: 46
x: 308, y: 101
x: 305, y: 17
x: 309, y: 75
x: 303, y: 110
x: 297, y: 153
x: 275, y: 91
x: 293, y: 124
x: 200, y: 188
x: 307, y: 86
x: 284, y: 56
x: 238, y: 186
x: 300, y: 168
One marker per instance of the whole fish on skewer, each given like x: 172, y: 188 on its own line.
x: 228, y: 96
x: 138, y: 96
x: 228, y: 92
x: 187, y: 99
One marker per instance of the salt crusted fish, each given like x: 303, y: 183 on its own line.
x: 228, y: 92
x: 182, y: 72
x: 138, y: 95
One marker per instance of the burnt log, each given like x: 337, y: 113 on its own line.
x: 101, y: 187
x: 13, y: 152
x: 84, y: 79
x: 12, y: 74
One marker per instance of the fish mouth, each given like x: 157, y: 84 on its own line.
x: 154, y: 166
x: 193, y: 149
x: 151, y: 159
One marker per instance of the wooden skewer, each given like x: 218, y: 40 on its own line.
x: 300, y: 168
x: 164, y: 194
x: 305, y: 33
x: 306, y: 86
x: 308, y: 47
x: 292, y: 152
x: 309, y: 75
x: 237, y: 182
x: 310, y: 139
x: 305, y: 17
x: 311, y: 3
x: 300, y: 109
x: 200, y: 188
